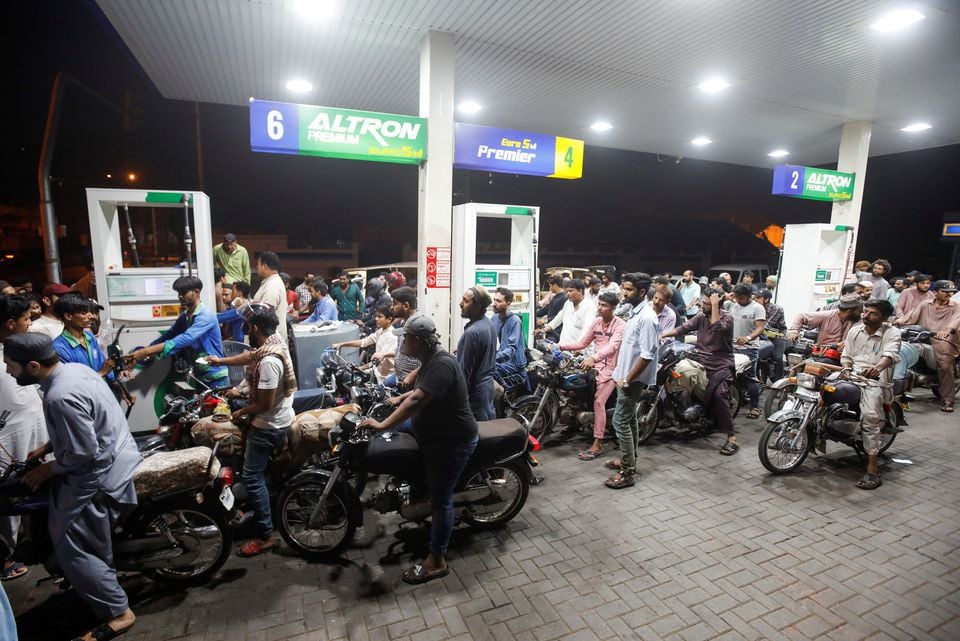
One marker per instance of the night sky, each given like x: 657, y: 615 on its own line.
x: 626, y: 201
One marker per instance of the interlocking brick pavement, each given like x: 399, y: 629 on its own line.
x: 704, y: 547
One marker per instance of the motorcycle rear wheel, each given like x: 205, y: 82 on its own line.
x: 294, y: 508
x: 776, y: 453
x: 886, y: 440
x: 189, y: 522
x: 515, y: 484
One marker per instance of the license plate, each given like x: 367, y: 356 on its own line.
x: 226, y: 498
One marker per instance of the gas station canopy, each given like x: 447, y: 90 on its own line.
x: 797, y: 71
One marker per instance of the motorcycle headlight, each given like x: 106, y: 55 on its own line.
x: 808, y: 381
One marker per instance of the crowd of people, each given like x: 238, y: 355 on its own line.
x: 60, y: 374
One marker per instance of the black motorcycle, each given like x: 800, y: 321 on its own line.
x: 677, y: 399
x: 564, y: 393
x: 319, y: 509
x: 178, y: 532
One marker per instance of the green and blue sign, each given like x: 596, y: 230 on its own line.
x: 307, y: 130
x: 516, y: 152
x: 812, y: 183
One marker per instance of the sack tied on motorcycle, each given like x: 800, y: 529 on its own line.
x: 167, y: 472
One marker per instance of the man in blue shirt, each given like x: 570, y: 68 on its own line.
x: 477, y: 352
x: 636, y: 371
x: 195, y: 333
x: 230, y: 320
x: 77, y: 344
x: 323, y: 306
x: 511, y: 354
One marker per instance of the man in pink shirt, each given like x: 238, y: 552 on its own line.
x: 912, y: 297
x: 606, y: 334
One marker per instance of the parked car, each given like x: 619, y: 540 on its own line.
x: 737, y: 270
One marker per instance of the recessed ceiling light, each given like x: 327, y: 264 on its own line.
x: 702, y: 140
x: 315, y: 10
x: 298, y: 85
x: 779, y: 153
x: 601, y: 125
x: 897, y: 20
x: 917, y: 126
x: 713, y: 85
x: 469, y: 107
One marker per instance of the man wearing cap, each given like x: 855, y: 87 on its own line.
x: 233, y: 259
x: 94, y: 461
x: 833, y: 323
x: 940, y: 315
x: 48, y: 323
x: 445, y: 429
x: 194, y: 334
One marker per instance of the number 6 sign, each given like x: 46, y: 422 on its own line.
x: 274, y: 127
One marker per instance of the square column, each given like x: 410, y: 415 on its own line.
x: 437, y: 57
x: 854, y: 150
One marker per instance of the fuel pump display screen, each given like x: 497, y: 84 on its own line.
x: 129, y: 287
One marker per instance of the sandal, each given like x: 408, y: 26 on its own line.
x: 418, y: 574
x: 619, y: 481
x: 869, y: 482
x: 104, y: 633
x: 729, y: 448
x: 754, y: 412
x: 589, y: 455
x: 947, y: 407
x: 613, y: 464
x: 13, y: 571
x: 253, y: 548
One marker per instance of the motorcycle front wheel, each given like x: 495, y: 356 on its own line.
x: 296, y: 505
x: 202, y: 533
x: 776, y: 399
x: 648, y: 417
x: 527, y: 408
x: 783, y: 446
x: 512, y: 485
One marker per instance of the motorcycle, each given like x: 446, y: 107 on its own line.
x: 319, y: 509
x: 823, y: 407
x: 564, y: 393
x: 804, y: 349
x: 678, y: 398
x: 178, y: 532
x: 920, y: 373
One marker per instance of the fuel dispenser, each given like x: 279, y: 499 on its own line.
x: 816, y: 260
x: 520, y: 275
x: 137, y: 294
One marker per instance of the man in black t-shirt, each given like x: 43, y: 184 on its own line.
x: 445, y: 429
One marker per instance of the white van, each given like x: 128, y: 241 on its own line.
x: 737, y: 270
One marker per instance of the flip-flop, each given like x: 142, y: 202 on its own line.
x: 588, y: 455
x: 253, y: 548
x: 729, y: 448
x: 869, y: 482
x: 947, y: 407
x: 104, y: 633
x: 625, y: 480
x: 13, y: 571
x: 418, y: 574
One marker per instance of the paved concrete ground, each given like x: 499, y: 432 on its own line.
x: 705, y: 547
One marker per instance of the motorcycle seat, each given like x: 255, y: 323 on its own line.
x: 499, y: 439
x: 167, y: 472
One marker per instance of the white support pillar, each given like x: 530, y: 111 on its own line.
x: 437, y: 56
x: 854, y: 149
